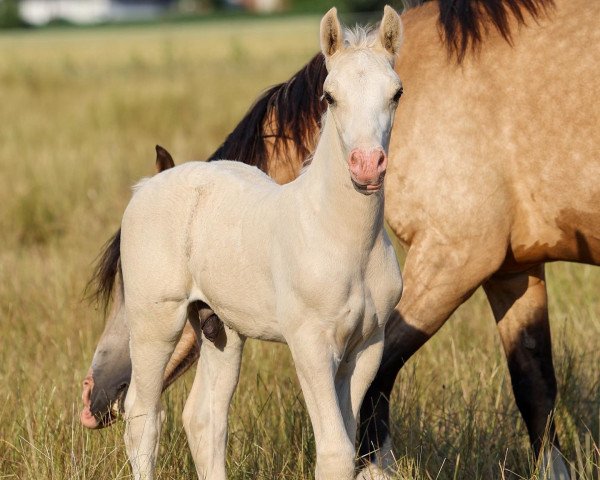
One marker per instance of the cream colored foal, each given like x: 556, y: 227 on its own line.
x: 307, y: 263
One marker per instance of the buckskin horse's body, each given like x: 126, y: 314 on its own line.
x: 494, y: 171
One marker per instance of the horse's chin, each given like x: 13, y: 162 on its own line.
x: 96, y: 422
x: 367, y: 189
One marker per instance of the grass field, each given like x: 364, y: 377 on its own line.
x: 80, y: 113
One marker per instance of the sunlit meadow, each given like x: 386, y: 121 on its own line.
x: 80, y: 113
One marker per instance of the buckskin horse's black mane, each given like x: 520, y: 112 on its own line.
x: 293, y: 108
x: 465, y: 22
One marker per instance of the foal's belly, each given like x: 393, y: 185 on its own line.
x: 243, y: 298
x: 238, y: 287
x: 251, y: 322
x: 230, y: 251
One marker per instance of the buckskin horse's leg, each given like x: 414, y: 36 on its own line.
x: 520, y: 305
x: 438, y: 278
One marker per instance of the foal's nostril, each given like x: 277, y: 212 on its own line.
x: 380, y: 160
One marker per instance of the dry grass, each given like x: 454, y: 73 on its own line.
x: 80, y: 114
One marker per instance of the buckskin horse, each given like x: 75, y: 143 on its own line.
x: 493, y: 172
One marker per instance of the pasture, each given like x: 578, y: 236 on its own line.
x: 81, y: 111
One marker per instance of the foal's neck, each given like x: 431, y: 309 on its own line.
x: 329, y: 191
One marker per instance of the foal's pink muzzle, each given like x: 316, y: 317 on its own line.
x: 367, y: 168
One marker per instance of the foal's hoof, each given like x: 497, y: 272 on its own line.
x: 212, y: 327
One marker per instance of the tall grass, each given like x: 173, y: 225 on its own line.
x: 80, y: 113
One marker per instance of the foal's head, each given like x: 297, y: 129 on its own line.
x: 362, y: 91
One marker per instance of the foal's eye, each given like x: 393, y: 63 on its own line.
x: 397, y: 95
x: 328, y: 98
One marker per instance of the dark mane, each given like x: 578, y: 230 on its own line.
x: 293, y: 109
x: 464, y: 23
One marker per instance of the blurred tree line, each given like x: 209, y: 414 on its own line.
x: 317, y: 6
x: 356, y: 6
x: 9, y: 14
x: 10, y: 18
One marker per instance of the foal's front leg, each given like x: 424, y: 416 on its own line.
x: 316, y: 364
x: 355, y: 374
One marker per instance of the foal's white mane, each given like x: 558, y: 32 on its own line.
x: 360, y: 36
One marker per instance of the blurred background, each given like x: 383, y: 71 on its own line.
x: 30, y: 13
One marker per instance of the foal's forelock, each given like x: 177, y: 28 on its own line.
x: 360, y: 36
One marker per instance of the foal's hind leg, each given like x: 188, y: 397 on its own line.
x: 520, y: 305
x: 155, y: 330
x: 205, y: 412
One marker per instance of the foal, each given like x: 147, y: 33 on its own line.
x: 307, y: 263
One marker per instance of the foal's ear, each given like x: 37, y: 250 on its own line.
x: 331, y: 33
x: 164, y: 160
x: 390, y: 31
